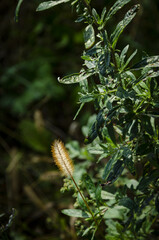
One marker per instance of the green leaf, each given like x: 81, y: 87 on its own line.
x: 117, y: 212
x: 76, y: 77
x: 17, y: 10
x: 107, y: 195
x: 98, y: 193
x: 121, y: 93
x: 87, y: 98
x: 129, y: 59
x: 109, y: 165
x: 81, y: 202
x: 96, y: 16
x: 104, y: 62
x: 117, y: 60
x: 121, y: 25
x: 91, y: 135
x: 89, y: 36
x: 78, y: 111
x: 87, y: 230
x: 151, y: 74
x: 103, y: 13
x: 111, y: 132
x: 128, y: 159
x: 147, y: 62
x: 127, y: 202
x: 116, y: 7
x: 128, y: 76
x: 89, y: 185
x: 46, y: 5
x: 123, y: 55
x: 106, y: 136
x: 88, y: 1
x: 116, y: 172
x: 146, y: 180
x: 134, y: 129
x: 75, y: 213
x: 147, y: 124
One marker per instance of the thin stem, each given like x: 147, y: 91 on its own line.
x: 89, y: 9
x: 87, y: 6
x: 84, y: 200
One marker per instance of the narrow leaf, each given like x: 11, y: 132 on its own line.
x: 146, y: 180
x: 116, y: 7
x: 81, y: 202
x: 116, y: 172
x: 98, y: 194
x: 123, y: 55
x: 92, y: 134
x: 104, y: 62
x: 86, y: 98
x: 129, y: 59
x: 109, y: 165
x: 89, y: 185
x: 147, y: 62
x: 121, y: 25
x: 111, y: 132
x: 76, y: 77
x: 78, y: 111
x: 46, y: 5
x: 103, y: 13
x: 95, y: 15
x: 107, y: 195
x: 75, y: 213
x: 128, y: 159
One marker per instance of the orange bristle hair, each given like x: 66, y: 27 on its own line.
x: 62, y: 158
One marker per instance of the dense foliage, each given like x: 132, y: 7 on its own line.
x: 125, y: 131
x: 118, y: 169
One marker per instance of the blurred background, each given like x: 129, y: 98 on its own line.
x: 35, y: 109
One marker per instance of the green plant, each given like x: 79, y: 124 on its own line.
x: 122, y: 146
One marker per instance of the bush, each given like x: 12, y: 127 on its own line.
x: 117, y: 193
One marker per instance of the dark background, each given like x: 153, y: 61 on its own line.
x: 35, y: 109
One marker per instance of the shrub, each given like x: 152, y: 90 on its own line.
x: 119, y: 170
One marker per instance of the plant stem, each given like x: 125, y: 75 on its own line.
x: 87, y: 6
x: 84, y: 200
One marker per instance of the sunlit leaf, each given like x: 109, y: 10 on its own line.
x: 123, y: 55
x: 46, y: 5
x: 75, y: 213
x: 89, y: 36
x: 147, y: 62
x: 121, y: 25
x: 75, y: 78
x: 117, y: 212
x: 116, y: 7
x: 129, y: 59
